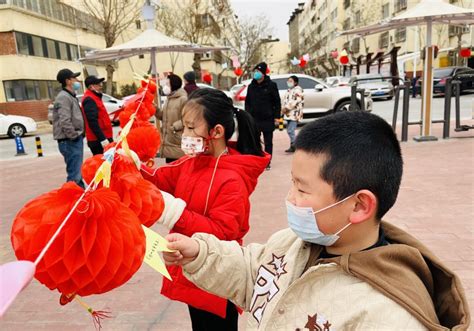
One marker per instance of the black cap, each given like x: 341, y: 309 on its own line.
x: 91, y: 80
x: 262, y: 67
x: 64, y: 74
x: 190, y: 76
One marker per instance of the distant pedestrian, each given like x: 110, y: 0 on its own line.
x: 172, y: 119
x: 68, y: 124
x: 264, y: 104
x: 292, y: 109
x: 190, y: 82
x: 98, y: 126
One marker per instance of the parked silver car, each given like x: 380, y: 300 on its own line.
x: 319, y: 98
x: 378, y: 87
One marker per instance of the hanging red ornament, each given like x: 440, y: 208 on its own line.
x: 465, y: 52
x: 267, y: 71
x: 344, y: 59
x: 238, y: 72
x: 100, y: 247
x: 302, y: 62
x: 207, y: 78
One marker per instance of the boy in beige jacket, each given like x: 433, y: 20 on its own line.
x: 339, y: 266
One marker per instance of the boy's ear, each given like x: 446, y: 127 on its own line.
x: 365, y: 207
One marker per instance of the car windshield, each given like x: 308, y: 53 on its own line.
x: 441, y: 73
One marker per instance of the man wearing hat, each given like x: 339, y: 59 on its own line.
x: 98, y: 126
x: 190, y: 82
x: 264, y: 104
x: 68, y: 124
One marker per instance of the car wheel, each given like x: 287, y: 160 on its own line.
x: 16, y: 129
x: 345, y: 106
x: 390, y: 98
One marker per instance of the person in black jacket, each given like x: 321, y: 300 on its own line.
x: 264, y: 104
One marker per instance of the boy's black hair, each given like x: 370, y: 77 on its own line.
x: 362, y: 153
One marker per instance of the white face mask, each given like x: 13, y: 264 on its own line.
x: 302, y: 220
x: 192, y: 145
x: 166, y: 90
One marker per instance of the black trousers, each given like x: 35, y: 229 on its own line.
x: 205, y: 321
x: 266, y: 128
x: 95, y: 147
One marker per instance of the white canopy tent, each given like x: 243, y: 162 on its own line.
x: 426, y: 12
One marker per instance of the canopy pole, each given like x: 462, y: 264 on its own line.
x: 427, y: 88
x: 154, y: 75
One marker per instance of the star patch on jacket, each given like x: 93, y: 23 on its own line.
x: 316, y: 323
x: 265, y: 285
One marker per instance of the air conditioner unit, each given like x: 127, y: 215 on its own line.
x: 207, y: 55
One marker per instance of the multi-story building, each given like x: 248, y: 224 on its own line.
x: 321, y: 22
x: 40, y: 37
x: 294, y: 29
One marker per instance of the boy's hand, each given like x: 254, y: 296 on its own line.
x: 186, y: 249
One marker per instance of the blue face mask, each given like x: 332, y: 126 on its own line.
x: 76, y: 86
x: 257, y: 75
x: 302, y: 220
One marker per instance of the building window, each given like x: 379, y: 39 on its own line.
x: 21, y: 90
x: 22, y: 43
x: 63, y: 54
x: 357, y: 17
x: 457, y: 30
x: 383, y: 40
x: 356, y: 45
x: 347, y: 3
x: 400, y: 35
x: 385, y: 11
x: 400, y: 5
x: 37, y: 44
x: 138, y: 24
x: 51, y: 47
x: 347, y: 24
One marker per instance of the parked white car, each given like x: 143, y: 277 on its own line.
x: 111, y: 104
x: 14, y: 125
x: 319, y: 98
x: 335, y: 81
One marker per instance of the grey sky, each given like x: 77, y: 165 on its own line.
x: 277, y: 11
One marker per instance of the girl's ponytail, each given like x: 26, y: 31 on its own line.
x: 248, y: 138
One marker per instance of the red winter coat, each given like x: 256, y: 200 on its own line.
x: 227, y: 215
x: 97, y: 120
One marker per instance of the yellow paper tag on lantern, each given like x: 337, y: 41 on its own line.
x: 127, y: 127
x: 154, y: 245
x: 103, y: 174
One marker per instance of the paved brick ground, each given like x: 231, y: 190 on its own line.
x: 435, y: 205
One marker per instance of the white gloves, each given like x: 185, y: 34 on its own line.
x: 104, y: 143
x: 174, y: 208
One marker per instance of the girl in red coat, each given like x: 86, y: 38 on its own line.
x: 208, y: 191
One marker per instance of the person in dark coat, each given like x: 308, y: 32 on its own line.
x: 264, y: 104
x: 190, y: 82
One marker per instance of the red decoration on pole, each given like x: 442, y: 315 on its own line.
x: 267, y: 71
x: 465, y: 52
x: 302, y: 62
x: 207, y: 78
x: 238, y: 72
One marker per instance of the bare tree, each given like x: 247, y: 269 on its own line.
x: 250, y: 46
x: 189, y: 21
x: 115, y: 16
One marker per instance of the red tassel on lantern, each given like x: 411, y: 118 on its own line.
x: 100, y: 248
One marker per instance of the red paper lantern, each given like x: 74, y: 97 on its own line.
x: 465, y: 52
x: 151, y: 85
x: 267, y: 71
x: 302, y: 62
x: 207, y: 78
x: 144, y: 140
x: 344, y: 59
x: 100, y: 247
x: 140, y: 195
x: 238, y: 72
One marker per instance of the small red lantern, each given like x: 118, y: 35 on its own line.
x: 207, y: 78
x: 302, y: 62
x: 465, y: 52
x: 144, y: 140
x: 344, y: 59
x: 238, y: 72
x: 267, y: 71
